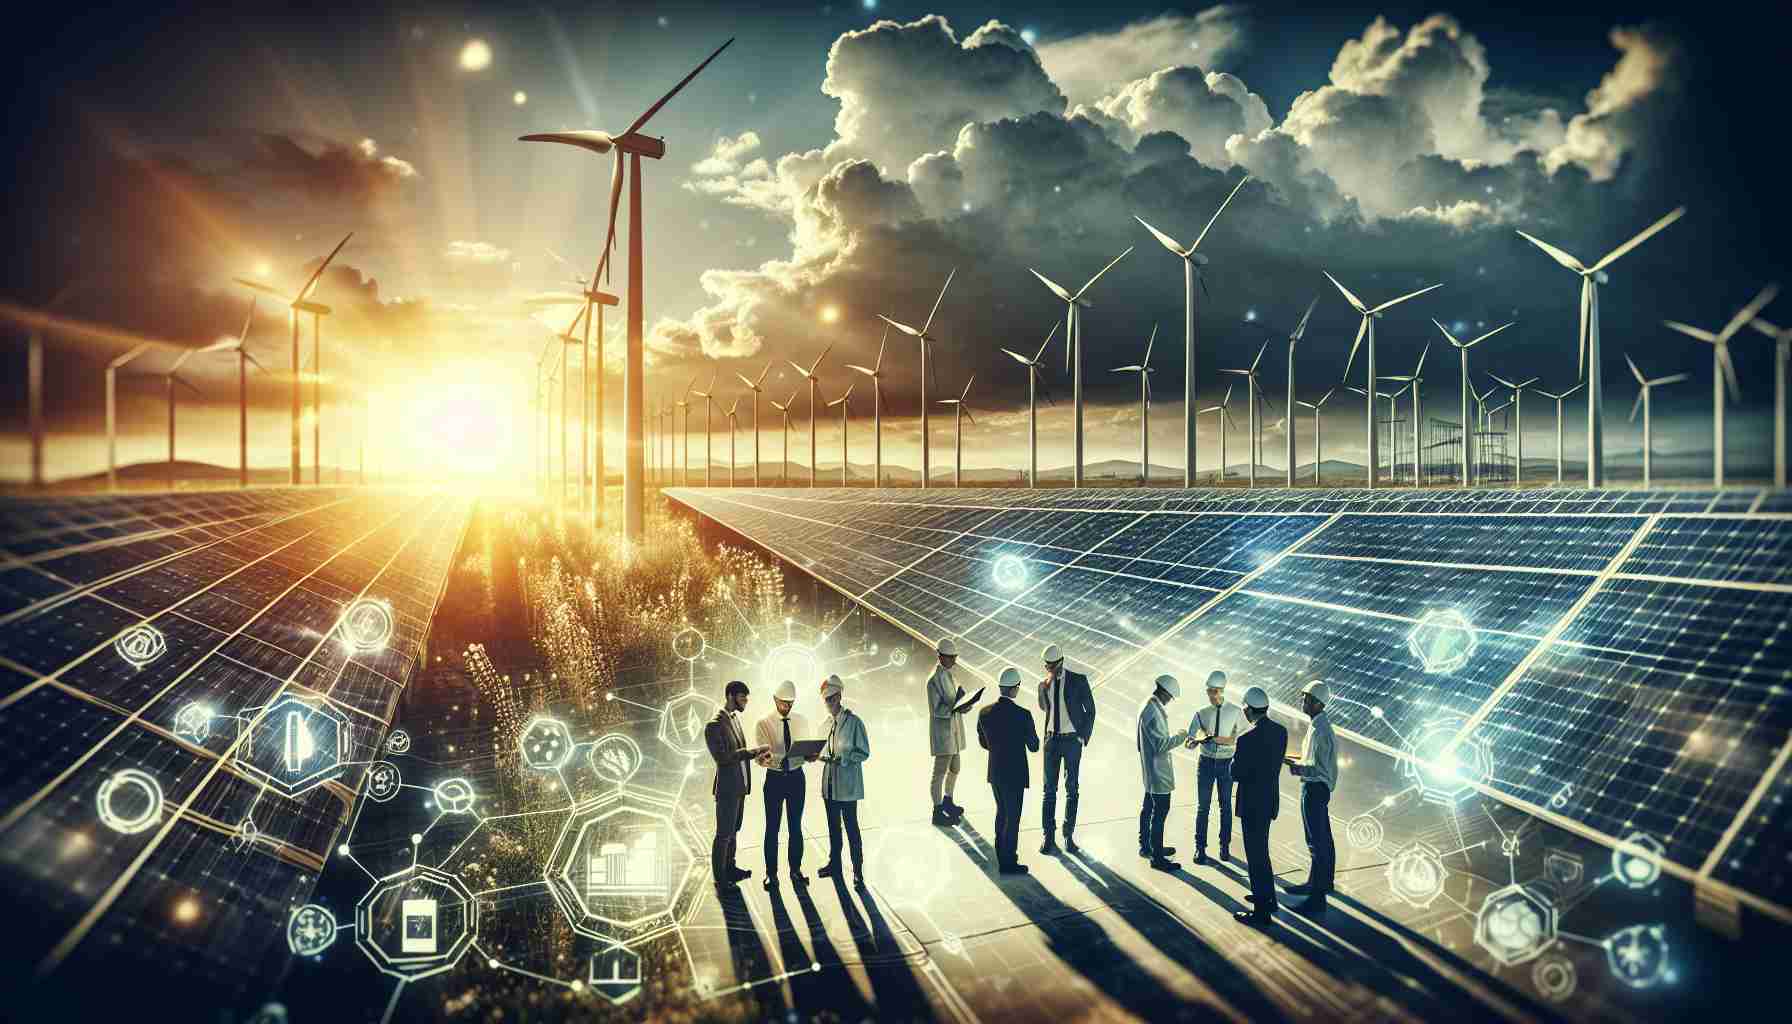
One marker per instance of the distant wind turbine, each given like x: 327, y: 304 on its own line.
x: 926, y: 338
x: 1073, y: 357
x: 1251, y: 419
x: 1559, y: 399
x: 243, y: 359
x: 1414, y: 380
x: 809, y: 374
x: 876, y: 372
x: 709, y: 411
x: 684, y: 402
x: 1034, y: 369
x: 842, y: 403
x: 1367, y: 327
x: 1517, y: 388
x: 753, y: 386
x: 300, y: 302
x: 784, y: 452
x: 1318, y: 451
x: 1468, y: 434
x: 733, y: 439
x: 1143, y: 369
x: 1782, y: 359
x: 1722, y: 368
x: 1288, y: 415
x: 1225, y: 424
x: 1646, y: 387
x: 172, y: 377
x: 960, y: 410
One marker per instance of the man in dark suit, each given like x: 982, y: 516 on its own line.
x: 1005, y: 729
x: 1069, y: 710
x: 727, y: 743
x: 1256, y: 774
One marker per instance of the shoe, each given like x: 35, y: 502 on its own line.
x: 1013, y: 869
x: 1144, y: 851
x: 1312, y: 906
x: 829, y: 870
x: 1302, y: 889
x: 952, y: 808
x: 1250, y: 897
x: 798, y: 879
x: 1166, y: 852
x: 1070, y: 845
x: 1163, y: 865
x: 739, y: 874
x: 943, y: 818
x: 1201, y: 859
x: 1225, y: 855
x: 770, y: 883
x: 1048, y: 847
x: 1254, y: 919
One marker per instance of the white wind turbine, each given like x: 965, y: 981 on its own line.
x: 1353, y: 389
x: 1367, y: 327
x: 1318, y: 451
x: 1782, y: 358
x: 959, y: 411
x: 112, y: 369
x: 709, y: 412
x: 1034, y: 369
x: 172, y: 377
x: 1192, y: 262
x: 1143, y: 369
x: 684, y: 402
x: 1225, y: 424
x: 842, y: 403
x: 733, y: 439
x: 784, y: 452
x: 1722, y: 368
x: 1462, y: 348
x: 1073, y: 357
x: 808, y: 373
x: 926, y: 338
x: 753, y: 386
x: 1559, y: 399
x: 243, y: 359
x: 1288, y: 414
x: 1643, y: 402
x: 1588, y: 342
x: 876, y: 372
x: 1517, y: 389
x: 1251, y: 419
x: 1414, y: 380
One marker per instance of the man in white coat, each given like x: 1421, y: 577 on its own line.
x: 1155, y: 743
x: 945, y: 733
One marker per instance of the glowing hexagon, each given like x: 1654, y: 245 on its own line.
x: 1417, y: 875
x: 1442, y: 641
x: 296, y: 743
x: 546, y: 743
x: 682, y: 722
x: 1364, y: 832
x: 616, y: 974
x: 310, y: 930
x: 1443, y: 769
x: 1515, y: 925
x: 1636, y: 864
x: 417, y: 922
x: 193, y: 722
x: 620, y: 866
x: 1638, y: 955
x: 1010, y: 572
x: 454, y: 796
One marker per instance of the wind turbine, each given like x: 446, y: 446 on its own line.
x: 1517, y: 422
x: 243, y: 359
x: 591, y: 385
x: 112, y: 369
x: 808, y: 373
x: 1722, y: 368
x: 1646, y: 387
x: 1192, y: 262
x: 1073, y: 343
x: 709, y: 412
x: 876, y: 372
x: 1143, y: 369
x: 959, y: 410
x: 1033, y: 371
x: 1559, y: 398
x: 1462, y: 348
x: 684, y: 402
x: 1225, y: 422
x: 1288, y: 415
x: 1367, y: 327
x: 842, y: 403
x: 733, y: 438
x: 636, y: 146
x: 1413, y: 380
x: 784, y: 407
x: 1590, y: 280
x: 1370, y: 402
x: 753, y: 386
x: 300, y: 302
x: 926, y: 338
x: 1251, y: 420
x: 172, y: 376
x: 1318, y: 455
x: 1782, y: 337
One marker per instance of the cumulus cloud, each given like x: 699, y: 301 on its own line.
x: 1205, y: 108
x: 1621, y: 109
x: 1096, y: 64
x: 478, y: 253
x: 726, y: 156
x: 329, y: 170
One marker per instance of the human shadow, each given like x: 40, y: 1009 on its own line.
x: 894, y: 988
x: 819, y: 983
x: 752, y: 961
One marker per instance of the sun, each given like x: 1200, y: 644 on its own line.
x: 457, y: 421
x: 476, y: 55
x: 829, y: 314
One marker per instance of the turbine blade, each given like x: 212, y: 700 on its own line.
x: 1634, y: 372
x: 885, y: 340
x: 1586, y: 304
x: 1723, y: 359
x: 1355, y: 302
x: 305, y: 292
x: 904, y: 328
x: 686, y: 80
x: 1641, y: 237
x: 1167, y: 242
x: 1766, y: 327
x: 1489, y: 334
x: 1141, y: 369
x: 936, y: 302
x: 1675, y: 379
x: 1690, y: 331
x: 1555, y: 254
x: 603, y: 260
x: 1261, y: 349
x: 1573, y: 389
x: 824, y: 354
x: 1301, y: 330
x: 1419, y: 369
x: 242, y: 337
x: 1053, y: 285
x: 1501, y: 379
x: 1638, y: 404
x: 748, y: 383
x: 1747, y: 313
x: 1216, y: 213
x: 1042, y: 345
x: 1451, y: 338
x: 1409, y: 295
x: 1148, y: 346
x: 867, y: 371
x: 1103, y: 270
x: 258, y: 286
x: 252, y: 359
x: 1361, y: 329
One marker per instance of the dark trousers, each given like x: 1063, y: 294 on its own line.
x: 1213, y: 773
x: 1153, y: 813
x: 1064, y: 751
x: 730, y: 808
x: 784, y: 792
x: 1316, y: 819
x: 844, y: 812
x: 1008, y: 804
x: 1256, y: 855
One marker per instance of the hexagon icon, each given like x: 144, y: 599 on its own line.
x: 1442, y: 641
x: 546, y: 744
x: 616, y: 974
x: 1417, y: 875
x: 1638, y: 955
x: 296, y: 743
x: 417, y: 922
x: 682, y: 722
x: 1515, y: 925
x: 1442, y: 768
x: 1637, y: 863
x: 621, y: 863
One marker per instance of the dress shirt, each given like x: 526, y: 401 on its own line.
x: 770, y: 733
x: 1053, y: 706
x: 1222, y: 720
x: 1319, y: 753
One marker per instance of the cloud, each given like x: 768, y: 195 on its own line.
x: 1622, y: 108
x: 330, y: 170
x: 1205, y: 108
x: 478, y: 253
x: 1096, y: 64
x: 725, y: 157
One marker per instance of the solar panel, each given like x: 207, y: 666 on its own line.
x: 1623, y: 652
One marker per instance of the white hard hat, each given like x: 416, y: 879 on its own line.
x: 1169, y: 685
x: 1009, y: 678
x: 1318, y: 691
x: 948, y: 646
x: 786, y: 691
x: 1052, y: 654
x: 1216, y: 680
x: 1256, y: 698
x: 832, y: 685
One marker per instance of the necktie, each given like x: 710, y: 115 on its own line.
x: 1057, y: 703
x: 787, y: 744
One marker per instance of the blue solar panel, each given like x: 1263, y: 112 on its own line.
x: 1750, y: 550
x: 1552, y: 542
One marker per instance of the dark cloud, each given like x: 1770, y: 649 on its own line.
x: 329, y: 171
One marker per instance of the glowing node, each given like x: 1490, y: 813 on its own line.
x: 416, y: 923
x: 130, y: 802
x: 1554, y: 977
x: 310, y: 930
x: 1515, y: 925
x: 899, y: 657
x: 454, y: 796
x: 1417, y: 875
x: 383, y: 781
x: 1638, y: 955
x: 1364, y: 832
x: 546, y: 743
x: 519, y: 97
x: 615, y: 758
x: 682, y: 722
x: 794, y: 662
x: 1376, y: 712
x: 296, y: 743
x: 1010, y: 572
x: 688, y: 643
x: 366, y: 626
x: 475, y: 55
x: 399, y: 742
x: 1442, y: 641
x: 343, y: 849
x: 829, y: 314
x: 1637, y: 863
x: 1443, y: 769
x: 140, y: 645
x: 416, y: 838
x: 1563, y: 868
x: 615, y: 974
x: 193, y: 723
x: 621, y: 867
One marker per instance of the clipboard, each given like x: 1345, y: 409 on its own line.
x: 969, y: 702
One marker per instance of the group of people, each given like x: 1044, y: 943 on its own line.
x: 1238, y: 748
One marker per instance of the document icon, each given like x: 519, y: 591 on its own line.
x: 419, y: 926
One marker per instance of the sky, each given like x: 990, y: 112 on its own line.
x: 837, y: 162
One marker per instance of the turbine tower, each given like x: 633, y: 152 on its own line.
x: 1642, y: 402
x: 1462, y: 348
x: 1073, y: 357
x: 1559, y: 399
x: 1192, y: 264
x: 754, y: 388
x: 684, y: 402
x: 1723, y: 369
x: 809, y: 375
x: 592, y: 389
x: 842, y: 403
x: 300, y: 302
x: 636, y: 146
x: 1318, y: 452
x: 1367, y: 327
x: 926, y: 338
x: 112, y: 369
x: 1288, y: 414
x: 1251, y: 419
x: 1782, y: 358
x: 876, y: 372
x: 709, y: 429
x: 243, y: 359
x: 1517, y: 423
x: 784, y: 452
x: 1414, y: 380
x: 172, y: 376
x: 1225, y: 423
x: 1143, y: 369
x: 1034, y: 369
x: 733, y: 439
x: 1590, y: 280
x: 959, y: 411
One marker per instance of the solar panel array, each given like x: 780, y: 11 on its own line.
x: 247, y: 589
x: 1631, y: 668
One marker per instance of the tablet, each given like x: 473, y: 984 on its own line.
x: 805, y: 749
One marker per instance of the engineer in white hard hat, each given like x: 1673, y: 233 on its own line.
x: 945, y: 732
x: 1069, y: 709
x: 785, y: 785
x: 1005, y: 729
x: 843, y: 778
x: 1256, y: 774
x: 1317, y: 768
x: 1213, y: 732
x: 1155, y: 744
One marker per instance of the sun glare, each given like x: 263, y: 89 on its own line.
x: 454, y: 422
x: 476, y: 55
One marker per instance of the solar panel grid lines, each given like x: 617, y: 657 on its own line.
x: 105, y: 539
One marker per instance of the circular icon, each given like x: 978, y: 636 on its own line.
x: 140, y: 645
x: 688, y: 643
x: 366, y: 625
x: 1515, y: 925
x: 1364, y: 832
x: 1445, y: 765
x: 1416, y: 874
x: 246, y: 832
x: 310, y: 930
x: 1638, y: 955
x: 399, y: 742
x: 1443, y: 640
x: 1554, y: 977
x: 1637, y: 863
x: 899, y: 657
x: 383, y: 781
x: 193, y: 722
x: 1010, y: 572
x: 130, y: 802
x: 546, y: 743
x: 792, y: 662
x: 454, y: 796
x: 615, y: 758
